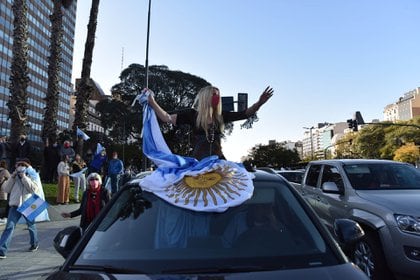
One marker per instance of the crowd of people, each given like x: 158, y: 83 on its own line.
x: 19, y: 181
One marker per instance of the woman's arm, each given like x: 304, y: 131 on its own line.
x: 267, y: 93
x: 161, y: 114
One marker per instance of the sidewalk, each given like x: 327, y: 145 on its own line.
x: 25, y: 265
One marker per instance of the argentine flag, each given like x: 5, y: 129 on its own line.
x: 32, y: 207
x: 80, y: 133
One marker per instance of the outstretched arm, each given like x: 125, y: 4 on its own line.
x: 267, y: 93
x: 160, y: 113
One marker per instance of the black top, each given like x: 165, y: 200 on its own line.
x: 105, y: 198
x: 205, y: 146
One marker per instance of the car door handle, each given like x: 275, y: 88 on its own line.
x: 318, y: 198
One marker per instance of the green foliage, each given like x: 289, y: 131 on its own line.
x: 274, y: 155
x: 381, y: 141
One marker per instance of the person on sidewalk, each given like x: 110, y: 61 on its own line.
x: 20, y: 187
x: 63, y: 190
x: 115, y: 170
x: 79, y: 181
x: 93, y: 200
x: 4, y: 176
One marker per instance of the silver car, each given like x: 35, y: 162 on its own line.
x: 384, y: 198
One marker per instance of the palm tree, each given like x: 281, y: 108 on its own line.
x: 19, y: 78
x: 50, y: 127
x: 85, y: 88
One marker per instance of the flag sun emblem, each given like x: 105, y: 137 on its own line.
x: 224, y: 183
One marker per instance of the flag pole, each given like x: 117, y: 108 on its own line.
x: 147, y: 47
x: 147, y: 66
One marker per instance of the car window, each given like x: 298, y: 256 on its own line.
x: 331, y: 174
x: 374, y: 176
x: 313, y: 174
x: 271, y: 229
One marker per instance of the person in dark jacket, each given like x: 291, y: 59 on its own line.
x: 93, y: 200
x: 22, y: 149
x: 51, y: 160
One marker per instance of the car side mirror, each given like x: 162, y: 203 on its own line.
x: 66, y: 240
x: 347, y: 231
x: 331, y: 187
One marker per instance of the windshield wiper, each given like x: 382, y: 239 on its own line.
x: 107, y: 269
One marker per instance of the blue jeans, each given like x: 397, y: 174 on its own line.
x: 115, y: 182
x: 12, y: 220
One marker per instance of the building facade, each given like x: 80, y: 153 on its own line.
x: 406, y: 108
x: 39, y: 31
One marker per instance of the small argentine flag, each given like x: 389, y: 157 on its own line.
x: 78, y: 174
x: 32, y: 207
x: 80, y: 133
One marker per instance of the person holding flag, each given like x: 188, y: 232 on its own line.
x: 20, y: 187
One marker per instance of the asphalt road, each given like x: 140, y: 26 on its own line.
x: 24, y: 265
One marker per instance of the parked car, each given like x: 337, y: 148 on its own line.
x: 293, y: 176
x: 273, y: 235
x: 383, y: 196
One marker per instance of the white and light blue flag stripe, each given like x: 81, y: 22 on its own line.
x: 32, y: 207
x: 82, y: 134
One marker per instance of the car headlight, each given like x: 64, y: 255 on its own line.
x: 408, y: 224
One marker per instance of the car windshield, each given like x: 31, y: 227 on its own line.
x: 268, y: 232
x: 374, y: 176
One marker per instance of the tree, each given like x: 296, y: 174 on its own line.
x: 407, y: 153
x: 19, y: 78
x: 173, y: 90
x: 273, y: 155
x: 85, y: 88
x: 50, y: 127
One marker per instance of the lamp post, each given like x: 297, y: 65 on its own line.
x: 312, y: 142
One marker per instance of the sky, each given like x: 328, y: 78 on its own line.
x: 325, y: 59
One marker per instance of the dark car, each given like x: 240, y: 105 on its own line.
x: 273, y: 235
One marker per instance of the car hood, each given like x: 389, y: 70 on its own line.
x: 346, y: 271
x: 398, y: 201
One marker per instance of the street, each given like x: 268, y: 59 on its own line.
x: 24, y: 265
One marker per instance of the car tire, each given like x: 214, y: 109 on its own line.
x: 367, y: 254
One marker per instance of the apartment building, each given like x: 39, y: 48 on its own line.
x: 38, y: 43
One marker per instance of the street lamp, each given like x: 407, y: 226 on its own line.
x: 312, y: 142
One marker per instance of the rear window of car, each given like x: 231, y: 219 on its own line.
x: 271, y: 230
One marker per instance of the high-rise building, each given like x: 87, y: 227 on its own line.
x: 39, y: 30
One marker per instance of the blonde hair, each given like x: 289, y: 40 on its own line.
x: 202, y: 104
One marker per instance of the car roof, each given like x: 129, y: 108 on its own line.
x: 355, y: 161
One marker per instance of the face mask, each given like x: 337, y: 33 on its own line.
x: 215, y: 100
x: 66, y: 145
x: 21, y: 169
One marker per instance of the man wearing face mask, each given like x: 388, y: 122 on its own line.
x: 22, y: 148
x: 20, y: 187
x: 93, y: 200
x: 67, y: 150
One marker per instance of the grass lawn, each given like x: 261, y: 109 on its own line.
x: 50, y: 191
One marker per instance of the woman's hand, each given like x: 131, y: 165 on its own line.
x: 267, y: 93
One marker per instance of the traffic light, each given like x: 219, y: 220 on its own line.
x: 355, y: 125
x: 350, y: 123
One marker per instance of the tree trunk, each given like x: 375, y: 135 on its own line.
x: 50, y: 127
x: 19, y: 78
x: 84, y: 88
